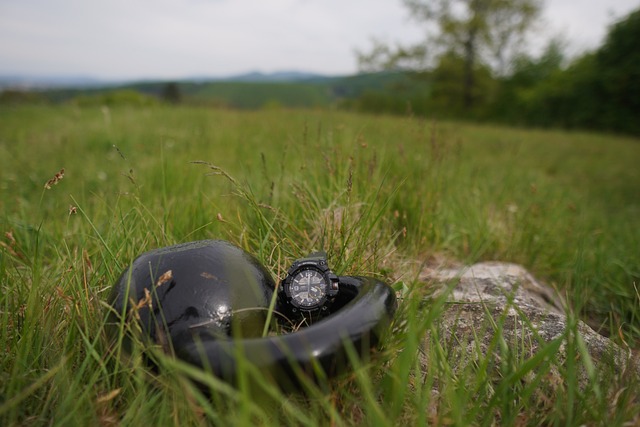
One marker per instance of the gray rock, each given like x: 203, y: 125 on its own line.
x: 495, y: 283
x: 492, y: 297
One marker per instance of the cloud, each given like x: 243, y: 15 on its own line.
x: 177, y: 38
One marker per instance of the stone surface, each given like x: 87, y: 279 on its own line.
x: 496, y: 283
x: 488, y: 297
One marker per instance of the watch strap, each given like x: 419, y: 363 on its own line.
x: 315, y: 256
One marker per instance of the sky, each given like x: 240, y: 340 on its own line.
x: 169, y: 39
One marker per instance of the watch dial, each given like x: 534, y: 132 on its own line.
x: 307, y: 288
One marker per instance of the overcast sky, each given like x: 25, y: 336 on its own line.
x: 122, y: 39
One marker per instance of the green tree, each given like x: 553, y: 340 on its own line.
x: 618, y: 65
x: 528, y: 73
x: 478, y: 31
x: 448, y: 94
x: 171, y: 93
x: 599, y: 90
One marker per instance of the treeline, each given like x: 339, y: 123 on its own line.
x: 599, y: 90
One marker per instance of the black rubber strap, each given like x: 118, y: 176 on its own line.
x: 314, y: 256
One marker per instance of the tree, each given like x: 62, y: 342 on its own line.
x: 171, y: 93
x: 516, y: 91
x: 618, y: 64
x: 478, y: 31
x: 447, y: 95
x: 528, y: 71
x: 599, y: 90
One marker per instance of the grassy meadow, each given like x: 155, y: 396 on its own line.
x: 385, y: 196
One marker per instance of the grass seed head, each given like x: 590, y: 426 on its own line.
x: 56, y: 179
x: 166, y: 277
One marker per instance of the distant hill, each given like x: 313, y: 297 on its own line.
x: 36, y: 82
x: 290, y: 89
x: 278, y: 76
x: 257, y: 90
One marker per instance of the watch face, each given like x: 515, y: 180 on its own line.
x: 307, y: 288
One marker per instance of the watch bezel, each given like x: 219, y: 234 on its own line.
x: 324, y: 286
x: 330, y: 283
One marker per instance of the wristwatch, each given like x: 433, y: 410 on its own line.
x: 310, y: 285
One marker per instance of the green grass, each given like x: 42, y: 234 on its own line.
x: 380, y: 194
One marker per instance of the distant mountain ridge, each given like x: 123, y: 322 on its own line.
x: 35, y: 82
x: 277, y: 76
x: 28, y: 81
